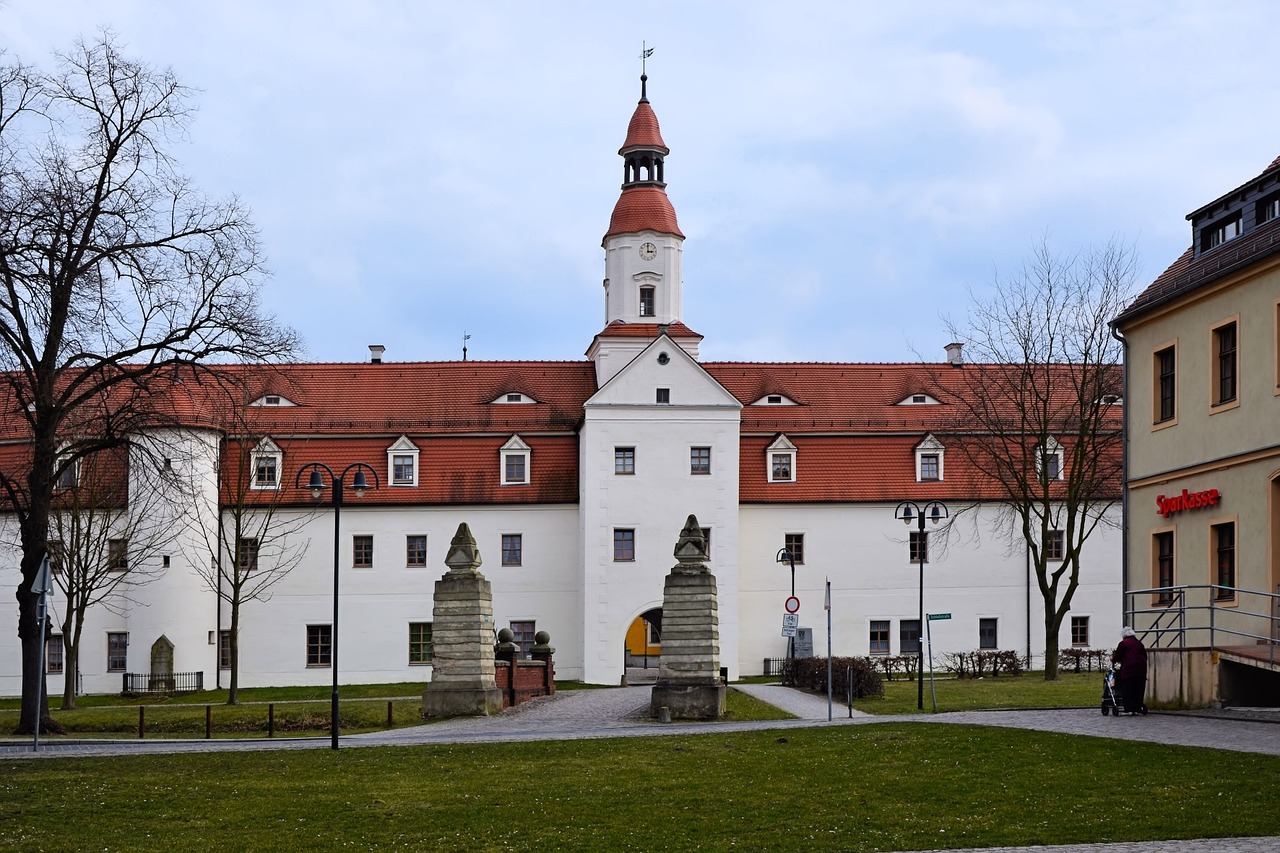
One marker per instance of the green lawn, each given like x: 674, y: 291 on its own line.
x: 295, y: 714
x: 1071, y: 690
x: 890, y: 786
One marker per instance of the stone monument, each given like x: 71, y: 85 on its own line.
x: 689, y: 685
x: 462, y: 680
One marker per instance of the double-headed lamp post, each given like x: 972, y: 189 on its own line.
x: 785, y: 556
x: 316, y: 485
x: 910, y: 511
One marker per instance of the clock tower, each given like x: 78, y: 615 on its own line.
x: 642, y: 254
x: 643, y: 244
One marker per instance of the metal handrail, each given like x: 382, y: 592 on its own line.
x: 1170, y: 621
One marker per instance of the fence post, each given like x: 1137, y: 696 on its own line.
x: 208, y: 722
x: 389, y: 721
x: 142, y: 720
x: 271, y: 719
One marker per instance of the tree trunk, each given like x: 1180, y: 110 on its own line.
x: 233, y: 641
x: 70, y: 669
x: 1051, y: 625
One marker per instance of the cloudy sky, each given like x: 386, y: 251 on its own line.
x: 844, y: 172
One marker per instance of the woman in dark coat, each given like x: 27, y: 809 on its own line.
x: 1131, y: 655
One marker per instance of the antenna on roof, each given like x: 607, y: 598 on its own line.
x: 465, y: 338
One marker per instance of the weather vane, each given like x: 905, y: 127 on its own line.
x: 645, y: 53
x: 465, y: 338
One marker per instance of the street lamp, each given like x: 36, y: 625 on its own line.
x: 785, y: 556
x: 910, y: 511
x: 315, y: 483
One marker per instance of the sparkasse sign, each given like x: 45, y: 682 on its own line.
x: 1186, y: 500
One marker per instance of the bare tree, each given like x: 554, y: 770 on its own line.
x: 1037, y: 410
x: 248, y: 538
x: 114, y: 272
x: 106, y: 538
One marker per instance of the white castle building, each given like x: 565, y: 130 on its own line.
x: 576, y: 478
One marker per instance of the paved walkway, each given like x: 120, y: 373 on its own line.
x: 623, y: 712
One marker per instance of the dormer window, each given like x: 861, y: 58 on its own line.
x: 1049, y: 460
x: 402, y: 462
x: 774, y: 400
x: 515, y: 462
x: 918, y: 400
x: 1219, y: 232
x: 1267, y: 209
x: 513, y: 398
x: 265, y: 462
x: 781, y: 461
x: 272, y: 400
x: 69, y: 476
x: 929, y: 458
x: 647, y: 302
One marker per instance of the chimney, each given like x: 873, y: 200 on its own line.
x: 375, y: 353
x: 954, y: 358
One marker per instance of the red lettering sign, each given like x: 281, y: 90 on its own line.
x: 1186, y: 500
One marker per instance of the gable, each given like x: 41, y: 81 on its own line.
x: 663, y: 365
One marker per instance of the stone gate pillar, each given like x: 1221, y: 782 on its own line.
x: 689, y: 669
x: 462, y: 681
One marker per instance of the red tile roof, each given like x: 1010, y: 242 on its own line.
x: 643, y: 208
x: 643, y: 130
x: 649, y: 331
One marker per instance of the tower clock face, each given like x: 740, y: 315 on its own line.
x: 648, y: 251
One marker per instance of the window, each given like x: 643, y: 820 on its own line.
x: 775, y: 400
x: 646, y: 302
x: 57, y: 557
x: 1053, y: 545
x: 362, y: 552
x: 420, y: 648
x: 402, y: 462
x: 781, y: 457
x: 247, y: 555
x: 224, y: 650
x: 624, y: 544
x: 699, y: 460
x: 1219, y: 233
x: 264, y: 461
x: 1166, y: 384
x: 117, y: 652
x: 929, y: 462
x: 663, y: 395
x: 794, y: 544
x: 512, y: 548
x: 319, y: 645
x: 987, y: 634
x: 878, y: 641
x: 909, y: 637
x: 415, y: 550
x: 624, y: 460
x: 1225, y: 363
x: 1224, y: 551
x: 53, y: 654
x: 1049, y: 460
x: 929, y: 466
x: 515, y: 462
x: 514, y: 398
x: 1163, y: 566
x: 918, y: 546
x: 1267, y: 209
x: 118, y: 555
x: 522, y: 635
x: 68, y: 477
x: 1080, y: 631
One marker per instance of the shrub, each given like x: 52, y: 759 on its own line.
x: 983, y: 662
x: 1083, y: 660
x: 898, y: 665
x: 811, y: 674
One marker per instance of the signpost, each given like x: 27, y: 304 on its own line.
x: 790, y: 624
x: 933, y: 617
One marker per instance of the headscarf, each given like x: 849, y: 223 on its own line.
x: 1126, y: 631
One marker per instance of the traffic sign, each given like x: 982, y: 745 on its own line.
x: 934, y: 617
x: 792, y: 605
x: 790, y: 624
